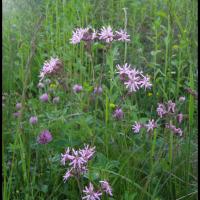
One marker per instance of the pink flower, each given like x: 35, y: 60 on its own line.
x: 87, y: 152
x: 18, y: 106
x: 106, y: 34
x: 90, y: 193
x: 77, y: 88
x: 171, y: 106
x: 180, y: 118
x: 121, y: 35
x: 118, y: 114
x: 98, y: 90
x: 33, y: 120
x: 44, y: 97
x: 77, y: 160
x: 123, y: 71
x: 51, y: 67
x: 145, y: 82
x: 133, y: 83
x: 106, y: 187
x: 136, y: 128
x: 161, y: 110
x: 17, y: 114
x: 66, y: 156
x: 78, y: 35
x: 44, y: 137
x: 67, y: 175
x: 151, y: 125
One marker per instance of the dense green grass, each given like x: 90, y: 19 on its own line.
x: 163, y: 44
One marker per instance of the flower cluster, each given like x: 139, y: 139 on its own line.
x: 18, y: 107
x: 91, y: 194
x: 77, y: 160
x: 132, y: 78
x: 105, y: 34
x: 149, y: 126
x: 51, y: 67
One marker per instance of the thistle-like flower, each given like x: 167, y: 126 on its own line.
x: 33, y: 120
x: 91, y: 194
x: 145, y: 82
x: 77, y: 88
x: 44, y: 97
x: 123, y: 71
x: 151, y: 125
x: 51, y: 67
x: 171, y: 106
x: 161, y: 110
x: 121, y: 35
x: 77, y: 35
x: 136, y: 127
x: 118, y: 114
x: 106, y: 187
x: 106, y: 34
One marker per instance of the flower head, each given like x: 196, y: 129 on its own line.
x: 18, y: 106
x: 44, y: 97
x: 77, y: 88
x: 182, y: 99
x: 121, y: 35
x: 98, y: 90
x: 161, y: 110
x: 78, y: 34
x: 90, y: 193
x: 123, y: 71
x: 180, y: 118
x: 106, y: 34
x: 40, y: 85
x: 145, y: 82
x: 17, y: 114
x: 33, y: 120
x: 118, y: 114
x: 106, y: 187
x: 151, y: 125
x: 136, y: 127
x: 51, y: 67
x: 44, y: 137
x: 171, y: 106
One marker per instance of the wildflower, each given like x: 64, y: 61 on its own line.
x: 56, y: 100
x: 44, y: 137
x: 133, y: 83
x: 67, y: 175
x: 17, y: 114
x: 77, y: 88
x: 106, y: 34
x: 180, y: 117
x: 106, y: 187
x: 33, y: 120
x: 44, y: 97
x: 87, y: 152
x: 171, y: 106
x: 151, y: 125
x: 66, y: 156
x: 123, y: 71
x: 78, y: 35
x: 118, y: 114
x: 121, y: 35
x: 77, y: 160
x: 174, y: 129
x: 145, y: 82
x: 161, y: 110
x: 90, y: 193
x: 182, y: 99
x: 98, y: 90
x: 51, y: 67
x: 18, y: 106
x: 40, y: 85
x: 136, y: 128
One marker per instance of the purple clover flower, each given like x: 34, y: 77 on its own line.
x: 44, y: 137
x: 77, y: 88
x: 18, y: 106
x: 98, y: 90
x: 33, y: 120
x: 90, y: 193
x: 44, y: 97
